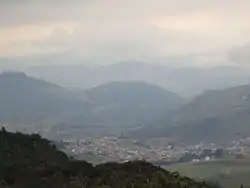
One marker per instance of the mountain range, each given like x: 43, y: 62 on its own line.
x: 215, y: 116
x: 106, y: 109
x: 186, y: 81
x: 136, y: 108
x: 216, y: 113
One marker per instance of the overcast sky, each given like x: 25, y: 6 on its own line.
x: 118, y: 30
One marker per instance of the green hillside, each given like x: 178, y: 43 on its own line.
x: 29, y: 161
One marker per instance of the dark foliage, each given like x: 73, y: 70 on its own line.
x: 28, y: 161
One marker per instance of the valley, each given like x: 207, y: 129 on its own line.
x: 228, y: 173
x: 124, y: 94
x: 127, y: 121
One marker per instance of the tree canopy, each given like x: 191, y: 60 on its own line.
x: 28, y: 161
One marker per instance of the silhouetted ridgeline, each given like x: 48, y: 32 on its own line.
x: 28, y: 161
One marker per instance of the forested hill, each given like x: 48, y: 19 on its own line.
x: 28, y: 161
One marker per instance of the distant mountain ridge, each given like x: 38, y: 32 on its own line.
x: 186, y: 81
x: 221, y: 116
x: 117, y: 107
x: 29, y: 101
x: 132, y: 103
x: 110, y: 108
x: 135, y: 92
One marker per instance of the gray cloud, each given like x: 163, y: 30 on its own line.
x: 241, y: 55
x: 116, y: 30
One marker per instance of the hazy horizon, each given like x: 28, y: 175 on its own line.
x: 172, y: 33
x: 110, y: 93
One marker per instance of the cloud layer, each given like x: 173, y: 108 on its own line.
x: 116, y: 30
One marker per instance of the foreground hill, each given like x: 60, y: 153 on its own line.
x: 131, y: 103
x: 29, y: 161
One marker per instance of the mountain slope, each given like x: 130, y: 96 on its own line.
x: 25, y: 99
x: 38, y: 106
x: 215, y: 113
x: 30, y: 161
x: 131, y: 103
x: 19, y: 149
x: 132, y: 93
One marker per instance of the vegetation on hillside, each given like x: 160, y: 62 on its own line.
x: 28, y: 161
